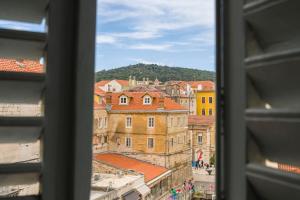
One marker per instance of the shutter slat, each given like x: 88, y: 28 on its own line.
x: 20, y: 168
x: 271, y: 20
x: 275, y: 89
x: 273, y: 184
x: 32, y: 11
x: 21, y: 88
x: 274, y: 131
x: 22, y: 198
x: 21, y: 121
x: 22, y: 44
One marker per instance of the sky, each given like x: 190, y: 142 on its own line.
x: 167, y: 32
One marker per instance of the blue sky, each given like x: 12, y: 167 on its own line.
x: 165, y: 32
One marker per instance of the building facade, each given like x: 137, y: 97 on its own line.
x: 205, y: 97
x: 202, y: 131
x: 150, y: 126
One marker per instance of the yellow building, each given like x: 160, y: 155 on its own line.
x: 205, y: 97
x: 150, y: 126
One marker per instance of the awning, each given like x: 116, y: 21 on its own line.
x: 143, y: 189
x: 132, y: 195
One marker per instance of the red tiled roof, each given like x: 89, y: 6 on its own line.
x: 136, y: 102
x: 150, y: 171
x: 206, y: 85
x: 99, y: 92
x: 201, y: 120
x: 101, y: 83
x: 123, y: 82
x: 12, y: 65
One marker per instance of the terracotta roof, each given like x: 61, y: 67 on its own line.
x: 99, y: 92
x: 136, y: 102
x: 22, y: 65
x: 149, y: 170
x: 201, y: 120
x: 101, y: 83
x: 206, y: 85
x: 123, y: 82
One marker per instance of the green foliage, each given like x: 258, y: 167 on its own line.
x: 212, y: 160
x: 152, y: 71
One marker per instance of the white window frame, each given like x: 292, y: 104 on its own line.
x: 123, y: 100
x: 128, y: 142
x: 151, y: 124
x: 153, y: 143
x: 145, y: 100
x: 127, y: 125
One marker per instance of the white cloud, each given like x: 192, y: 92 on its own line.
x: 153, y: 47
x: 141, y: 60
x: 105, y: 39
x: 159, y: 15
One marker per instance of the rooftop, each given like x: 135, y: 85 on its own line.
x: 201, y: 120
x: 149, y: 170
x: 22, y: 65
x: 136, y: 102
x: 206, y: 85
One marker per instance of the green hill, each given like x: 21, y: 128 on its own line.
x: 152, y: 71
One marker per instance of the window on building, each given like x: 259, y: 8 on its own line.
x: 171, y: 119
x: 172, y: 142
x: 147, y: 100
x: 178, y: 121
x: 203, y: 112
x: 123, y: 100
x: 210, y: 100
x: 200, y: 138
x: 150, y: 122
x: 210, y: 111
x: 203, y: 99
x: 128, y: 141
x: 105, y: 122
x: 105, y: 139
x: 150, y: 143
x: 100, y: 122
x: 128, y: 122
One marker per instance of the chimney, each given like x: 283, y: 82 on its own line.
x: 108, y: 97
x: 161, y: 102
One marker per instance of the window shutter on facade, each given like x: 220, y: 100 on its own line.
x: 259, y: 95
x: 65, y: 90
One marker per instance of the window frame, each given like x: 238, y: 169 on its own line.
x: 145, y: 98
x: 153, y: 143
x: 123, y: 100
x: 151, y: 123
x: 128, y: 139
x: 126, y: 122
x: 203, y: 99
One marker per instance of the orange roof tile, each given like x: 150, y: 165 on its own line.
x: 101, y: 83
x: 99, y: 92
x: 22, y: 65
x: 99, y: 106
x: 136, y: 102
x: 149, y: 170
x: 123, y: 82
x: 206, y: 85
x: 201, y: 120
